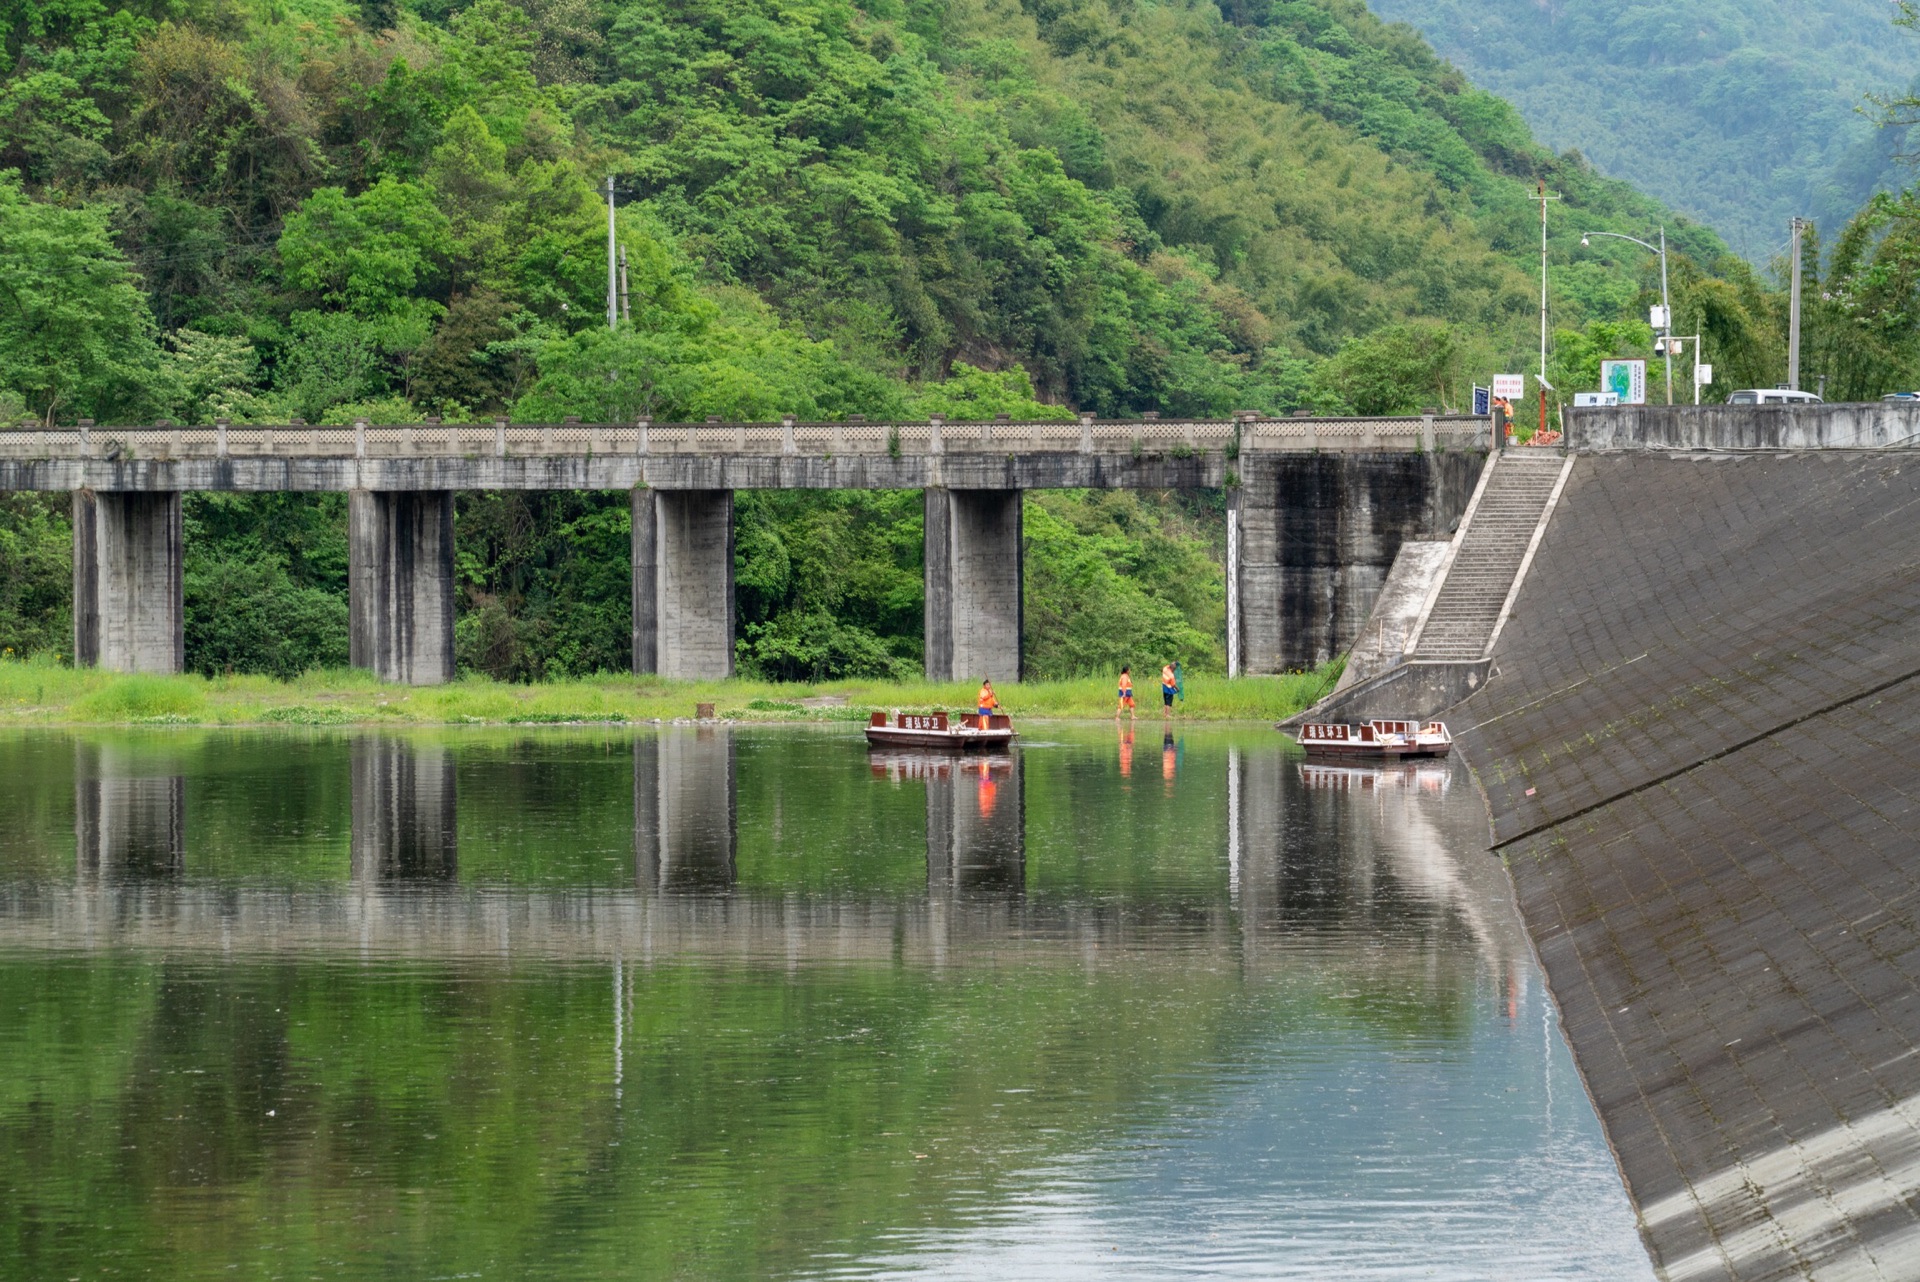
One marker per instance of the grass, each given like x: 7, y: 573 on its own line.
x: 41, y: 692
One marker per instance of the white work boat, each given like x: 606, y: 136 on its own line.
x: 967, y: 733
x: 1391, y: 740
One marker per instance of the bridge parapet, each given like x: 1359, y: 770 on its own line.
x: 1873, y: 425
x: 501, y: 439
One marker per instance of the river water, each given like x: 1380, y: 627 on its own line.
x: 752, y: 1003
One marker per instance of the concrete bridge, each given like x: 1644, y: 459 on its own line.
x: 1317, y: 510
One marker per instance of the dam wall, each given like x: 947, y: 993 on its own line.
x: 1700, y: 747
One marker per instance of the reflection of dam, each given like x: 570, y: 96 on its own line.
x: 405, y: 811
x: 129, y: 814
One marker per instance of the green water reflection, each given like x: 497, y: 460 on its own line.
x: 754, y: 1004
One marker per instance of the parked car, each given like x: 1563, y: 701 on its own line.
x: 1901, y: 396
x: 1772, y: 396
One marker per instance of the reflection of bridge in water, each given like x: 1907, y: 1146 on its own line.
x: 134, y: 886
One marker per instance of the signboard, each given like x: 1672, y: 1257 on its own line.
x: 920, y: 721
x: 1625, y: 379
x: 1482, y: 401
x: 1509, y: 387
x: 1583, y: 399
x: 1703, y: 374
x: 1657, y: 316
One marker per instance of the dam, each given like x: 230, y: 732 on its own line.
x: 1692, y: 707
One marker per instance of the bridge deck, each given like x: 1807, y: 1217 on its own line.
x: 786, y: 455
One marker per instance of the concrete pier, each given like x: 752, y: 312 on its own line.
x: 405, y: 811
x: 683, y: 583
x: 129, y: 816
x: 974, y: 586
x: 685, y: 810
x: 128, y: 606
x: 1316, y: 535
x: 400, y: 584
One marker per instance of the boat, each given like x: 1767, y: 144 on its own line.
x: 969, y: 732
x: 1392, y: 740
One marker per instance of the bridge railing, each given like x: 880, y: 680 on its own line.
x: 503, y: 439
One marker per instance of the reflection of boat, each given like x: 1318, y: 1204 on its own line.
x: 1393, y: 740
x: 969, y: 733
x: 924, y: 763
x: 1425, y: 776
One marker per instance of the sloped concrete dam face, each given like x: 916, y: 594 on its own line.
x: 1701, y: 752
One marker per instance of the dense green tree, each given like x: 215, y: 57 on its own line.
x: 75, y: 333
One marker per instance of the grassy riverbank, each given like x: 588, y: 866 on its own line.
x: 43, y: 693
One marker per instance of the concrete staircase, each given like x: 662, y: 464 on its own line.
x: 1487, y: 556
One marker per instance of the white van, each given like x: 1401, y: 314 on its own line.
x: 1772, y: 396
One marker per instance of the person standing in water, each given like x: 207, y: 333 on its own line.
x: 1169, y: 684
x: 1126, y: 694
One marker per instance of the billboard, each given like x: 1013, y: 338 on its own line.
x: 1509, y: 387
x: 1625, y: 379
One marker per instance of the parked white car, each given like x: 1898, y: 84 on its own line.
x: 1772, y: 396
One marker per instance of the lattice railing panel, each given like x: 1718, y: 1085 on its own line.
x: 484, y: 439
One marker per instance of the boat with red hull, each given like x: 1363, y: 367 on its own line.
x: 1375, y: 740
x: 969, y: 732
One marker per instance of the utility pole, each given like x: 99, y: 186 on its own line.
x: 626, y: 303
x: 613, y: 296
x: 1799, y: 227
x: 1541, y: 196
x: 1666, y: 313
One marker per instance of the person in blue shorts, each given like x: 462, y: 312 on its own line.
x: 1169, y: 684
x: 989, y: 702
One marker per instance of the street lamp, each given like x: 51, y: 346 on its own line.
x: 1666, y: 308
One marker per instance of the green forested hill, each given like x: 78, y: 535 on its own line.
x: 1741, y: 114
x: 314, y: 208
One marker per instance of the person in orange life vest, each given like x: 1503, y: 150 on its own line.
x: 1168, y: 684
x: 989, y: 704
x: 1126, y: 694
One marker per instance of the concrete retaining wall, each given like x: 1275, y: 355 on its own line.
x: 1744, y: 427
x: 1318, y: 534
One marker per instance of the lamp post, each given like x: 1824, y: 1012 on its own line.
x: 1672, y: 340
x: 1666, y: 308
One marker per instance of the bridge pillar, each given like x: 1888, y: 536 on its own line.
x: 973, y: 584
x: 683, y: 582
x: 977, y: 825
x: 405, y: 811
x: 129, y: 612
x: 128, y: 822
x: 400, y: 584
x: 685, y: 809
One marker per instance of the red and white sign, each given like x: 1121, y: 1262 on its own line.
x: 916, y: 721
x: 1509, y: 387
